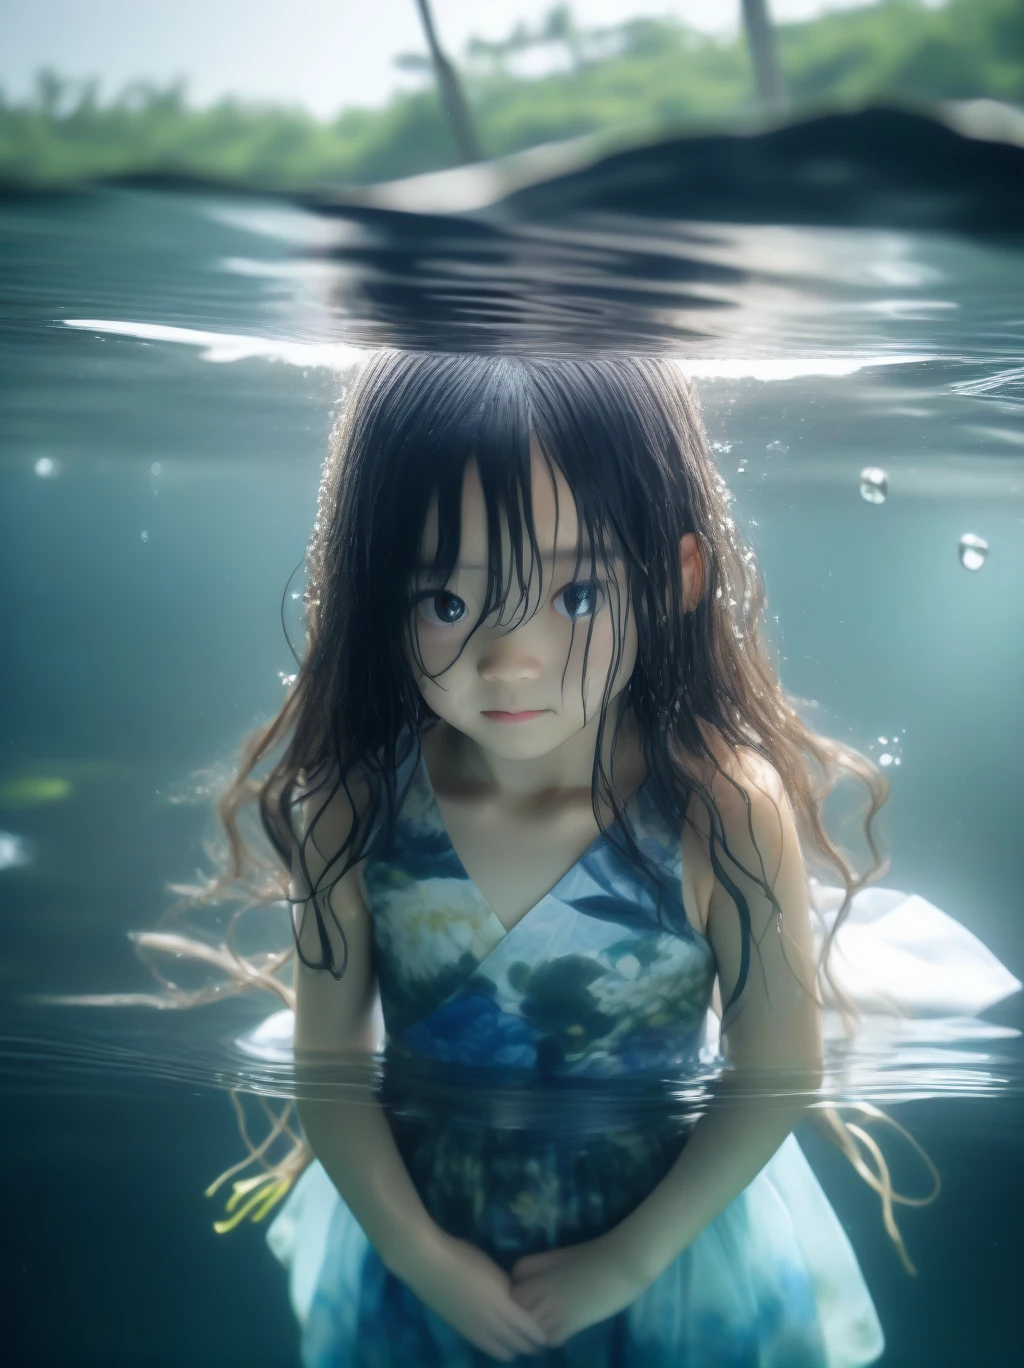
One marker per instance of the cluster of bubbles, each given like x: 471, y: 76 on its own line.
x: 874, y: 489
x: 892, y: 745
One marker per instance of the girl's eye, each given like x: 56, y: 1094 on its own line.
x: 442, y: 609
x: 581, y: 599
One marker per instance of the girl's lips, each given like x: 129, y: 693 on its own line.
x: 514, y: 717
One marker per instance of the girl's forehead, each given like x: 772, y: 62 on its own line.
x: 555, y: 520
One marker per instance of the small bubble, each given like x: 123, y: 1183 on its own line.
x: 973, y: 551
x: 723, y: 447
x: 156, y: 468
x: 296, y: 595
x: 780, y: 447
x: 874, y: 485
x: 885, y: 759
x: 145, y: 536
x: 883, y: 740
x: 45, y: 468
x: 896, y: 761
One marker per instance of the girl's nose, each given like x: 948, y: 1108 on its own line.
x: 508, y: 658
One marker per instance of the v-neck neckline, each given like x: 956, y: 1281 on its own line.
x: 506, y: 931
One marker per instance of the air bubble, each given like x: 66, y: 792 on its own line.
x: 780, y: 447
x: 874, y: 485
x: 156, y: 468
x: 973, y: 551
x: 45, y: 468
x: 13, y: 851
x: 145, y: 536
x: 885, y: 759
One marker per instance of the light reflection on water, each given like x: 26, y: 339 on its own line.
x: 890, y: 1062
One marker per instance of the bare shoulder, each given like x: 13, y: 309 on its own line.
x: 748, y: 794
x: 751, y: 818
x: 328, y: 810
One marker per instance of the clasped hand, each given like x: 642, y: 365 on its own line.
x: 565, y: 1290
x: 548, y: 1297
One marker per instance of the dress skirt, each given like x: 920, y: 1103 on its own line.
x: 772, y: 1282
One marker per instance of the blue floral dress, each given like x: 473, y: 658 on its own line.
x: 571, y: 1018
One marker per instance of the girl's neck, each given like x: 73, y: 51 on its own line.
x: 462, y: 763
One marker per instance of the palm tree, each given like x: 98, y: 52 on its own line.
x: 453, y: 101
x: 771, y: 89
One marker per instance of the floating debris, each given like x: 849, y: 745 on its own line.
x: 33, y: 790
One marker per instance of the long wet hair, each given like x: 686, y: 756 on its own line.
x: 627, y: 435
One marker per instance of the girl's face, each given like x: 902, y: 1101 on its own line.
x: 527, y: 657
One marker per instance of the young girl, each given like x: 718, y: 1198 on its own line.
x: 543, y: 795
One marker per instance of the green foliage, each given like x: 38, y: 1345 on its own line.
x: 643, y: 77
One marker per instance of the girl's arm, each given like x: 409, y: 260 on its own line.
x: 352, y: 1138
x: 335, y: 1020
x: 772, y: 1038
x: 771, y: 1035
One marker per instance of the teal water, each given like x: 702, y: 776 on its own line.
x: 158, y: 478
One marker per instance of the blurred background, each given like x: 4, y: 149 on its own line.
x: 278, y: 95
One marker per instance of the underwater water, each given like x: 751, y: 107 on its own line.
x: 171, y: 364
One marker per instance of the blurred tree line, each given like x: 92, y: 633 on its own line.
x: 556, y: 80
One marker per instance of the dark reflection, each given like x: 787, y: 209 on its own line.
x: 644, y: 248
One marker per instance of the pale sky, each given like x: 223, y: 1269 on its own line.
x: 324, y: 54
